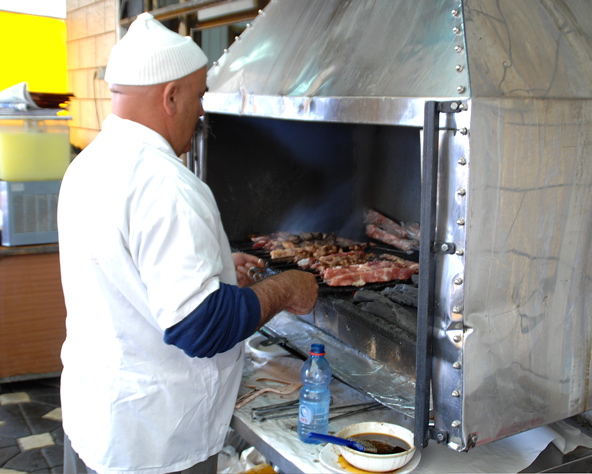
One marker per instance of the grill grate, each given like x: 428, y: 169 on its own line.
x: 279, y: 265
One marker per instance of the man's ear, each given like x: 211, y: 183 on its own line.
x: 170, y: 98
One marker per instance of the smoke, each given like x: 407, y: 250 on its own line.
x: 332, y: 211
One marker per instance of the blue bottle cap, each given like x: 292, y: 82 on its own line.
x: 317, y: 349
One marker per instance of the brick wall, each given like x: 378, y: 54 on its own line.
x: 91, y: 27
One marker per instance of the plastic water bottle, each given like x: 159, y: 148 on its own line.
x: 315, y: 397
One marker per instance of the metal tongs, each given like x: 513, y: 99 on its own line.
x: 280, y: 410
x: 359, y: 408
x: 290, y: 409
x: 259, y: 273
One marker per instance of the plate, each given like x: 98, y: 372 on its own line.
x: 330, y: 453
x: 265, y: 352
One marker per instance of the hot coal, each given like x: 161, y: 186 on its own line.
x: 402, y: 293
x: 379, y: 305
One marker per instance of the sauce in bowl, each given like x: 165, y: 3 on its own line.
x: 384, y: 444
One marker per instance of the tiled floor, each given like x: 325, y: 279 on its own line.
x: 32, y: 439
x: 31, y: 435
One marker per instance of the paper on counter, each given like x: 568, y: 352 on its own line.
x: 508, y: 455
x: 569, y: 437
x: 286, y: 369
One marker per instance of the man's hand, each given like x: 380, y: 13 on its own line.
x: 293, y: 290
x: 243, y: 262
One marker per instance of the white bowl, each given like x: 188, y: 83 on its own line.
x: 377, y: 462
x: 265, y: 352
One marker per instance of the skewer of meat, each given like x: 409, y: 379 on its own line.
x: 377, y: 233
x: 371, y: 272
x: 352, y: 257
x: 373, y: 217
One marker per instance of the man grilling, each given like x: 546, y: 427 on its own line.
x: 157, y: 304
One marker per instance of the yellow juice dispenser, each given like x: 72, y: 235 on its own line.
x: 34, y: 155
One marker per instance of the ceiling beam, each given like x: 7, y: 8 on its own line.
x: 173, y: 11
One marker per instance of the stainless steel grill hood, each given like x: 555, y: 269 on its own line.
x: 512, y: 308
x: 298, y: 54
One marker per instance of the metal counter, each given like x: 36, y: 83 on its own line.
x: 277, y: 439
x: 278, y: 442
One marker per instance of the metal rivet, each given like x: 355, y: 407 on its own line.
x: 460, y: 221
x: 462, y: 161
x: 455, y: 424
x: 260, y: 11
x: 458, y: 49
x: 444, y: 247
x: 455, y: 393
x: 463, y: 106
x: 215, y: 63
x: 237, y: 38
x: 460, y: 252
x: 456, y: 30
x: 458, y: 281
x: 461, y: 191
x: 456, y: 365
x: 248, y: 25
x: 461, y: 89
x: 455, y: 13
x: 453, y: 105
x: 225, y: 50
x: 456, y: 309
x: 456, y: 338
x: 459, y: 68
x: 463, y: 131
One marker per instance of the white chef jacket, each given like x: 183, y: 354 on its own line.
x: 141, y: 246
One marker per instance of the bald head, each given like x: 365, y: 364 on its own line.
x: 171, y: 108
x: 141, y: 104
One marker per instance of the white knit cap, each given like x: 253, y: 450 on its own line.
x: 150, y: 53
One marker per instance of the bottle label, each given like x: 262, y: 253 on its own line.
x: 306, y: 415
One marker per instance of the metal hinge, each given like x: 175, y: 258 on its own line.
x: 440, y: 436
x: 452, y: 107
x: 443, y: 247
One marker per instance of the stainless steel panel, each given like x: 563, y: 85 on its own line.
x: 447, y: 364
x: 295, y: 55
x: 529, y: 48
x: 337, y: 48
x: 528, y: 266
x: 370, y: 110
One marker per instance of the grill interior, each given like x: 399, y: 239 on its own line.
x: 377, y: 318
x: 272, y: 175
